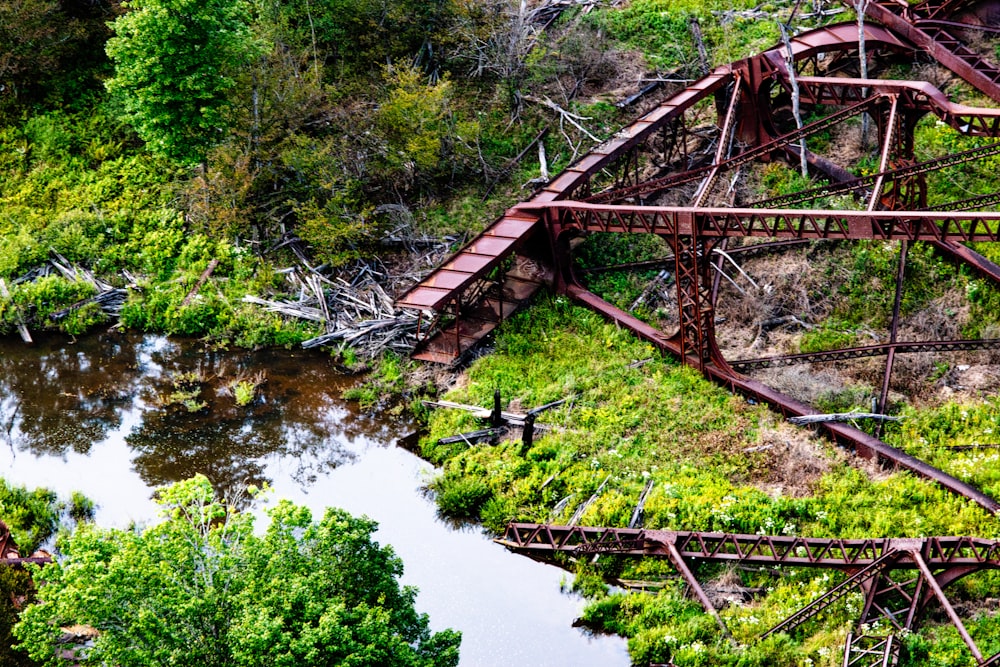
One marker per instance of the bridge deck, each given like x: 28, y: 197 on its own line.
x: 473, y: 262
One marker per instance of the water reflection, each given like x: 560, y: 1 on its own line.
x: 96, y: 417
x: 59, y: 398
x: 56, y: 399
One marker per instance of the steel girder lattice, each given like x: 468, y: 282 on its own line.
x: 610, y: 190
x: 899, y: 578
x: 607, y: 190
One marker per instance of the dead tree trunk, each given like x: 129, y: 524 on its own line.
x: 861, y: 6
x: 793, y: 81
x: 699, y: 42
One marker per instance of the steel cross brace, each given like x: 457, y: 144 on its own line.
x: 864, y: 352
x: 655, y: 185
x: 875, y: 565
x: 871, y: 650
x: 896, y: 174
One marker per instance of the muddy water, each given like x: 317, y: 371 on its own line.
x: 97, y: 416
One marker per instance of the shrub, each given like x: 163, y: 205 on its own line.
x: 461, y: 498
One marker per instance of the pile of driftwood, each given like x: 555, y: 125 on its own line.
x: 110, y: 299
x: 355, y: 312
x: 355, y: 306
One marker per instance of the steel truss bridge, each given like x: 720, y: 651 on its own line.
x: 621, y: 187
x: 899, y: 578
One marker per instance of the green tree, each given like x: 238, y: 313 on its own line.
x: 32, y: 517
x: 174, y: 65
x: 201, y: 588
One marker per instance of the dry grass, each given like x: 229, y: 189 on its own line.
x: 796, y: 460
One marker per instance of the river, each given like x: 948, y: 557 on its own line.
x: 96, y: 415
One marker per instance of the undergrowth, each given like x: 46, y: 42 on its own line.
x: 633, y: 417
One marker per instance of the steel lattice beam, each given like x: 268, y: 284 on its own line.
x: 769, y: 223
x: 760, y: 549
x: 864, y: 352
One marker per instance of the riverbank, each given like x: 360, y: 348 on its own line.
x: 712, y: 461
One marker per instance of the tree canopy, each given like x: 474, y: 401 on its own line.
x: 174, y: 65
x: 201, y: 588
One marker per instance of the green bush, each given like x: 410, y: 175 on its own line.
x: 461, y: 498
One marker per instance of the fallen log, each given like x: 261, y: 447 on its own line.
x: 201, y: 281
x: 578, y: 514
x: 640, y: 509
x: 635, y: 97
x: 512, y: 418
x: 286, y: 308
x: 841, y: 417
x: 111, y: 302
x: 473, y: 437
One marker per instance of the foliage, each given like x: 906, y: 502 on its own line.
x: 33, y: 516
x: 14, y: 584
x: 36, y: 302
x: 201, y: 588
x: 386, y: 383
x: 660, y: 29
x: 420, y: 134
x: 461, y: 497
x: 831, y: 335
x: 50, y: 49
x: 174, y: 63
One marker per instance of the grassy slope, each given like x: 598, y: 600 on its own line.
x: 663, y: 422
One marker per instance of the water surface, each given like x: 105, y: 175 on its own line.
x: 98, y: 416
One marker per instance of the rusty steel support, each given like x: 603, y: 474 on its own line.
x: 948, y: 552
x: 696, y: 333
x: 948, y: 609
x: 677, y: 560
x: 893, y: 328
x: 759, y: 151
x: 945, y: 47
x: 725, y: 145
x: 862, y: 443
x: 693, y: 231
x: 895, y: 574
x: 871, y: 650
x: 966, y: 227
x: 860, y: 183
x: 856, y: 580
x: 889, y: 131
x: 864, y: 352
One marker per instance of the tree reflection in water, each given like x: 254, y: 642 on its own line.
x: 59, y: 397
x: 55, y: 399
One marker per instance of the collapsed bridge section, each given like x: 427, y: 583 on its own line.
x: 899, y: 578
x: 641, y: 180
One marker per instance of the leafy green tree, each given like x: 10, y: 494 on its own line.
x: 174, y: 65
x: 202, y: 589
x: 32, y: 517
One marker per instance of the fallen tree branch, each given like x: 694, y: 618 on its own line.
x: 568, y: 116
x: 201, y: 281
x: 473, y: 437
x: 841, y: 417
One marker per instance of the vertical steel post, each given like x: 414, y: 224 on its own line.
x: 893, y: 330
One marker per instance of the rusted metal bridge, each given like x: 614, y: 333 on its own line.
x: 635, y: 183
x: 900, y: 579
